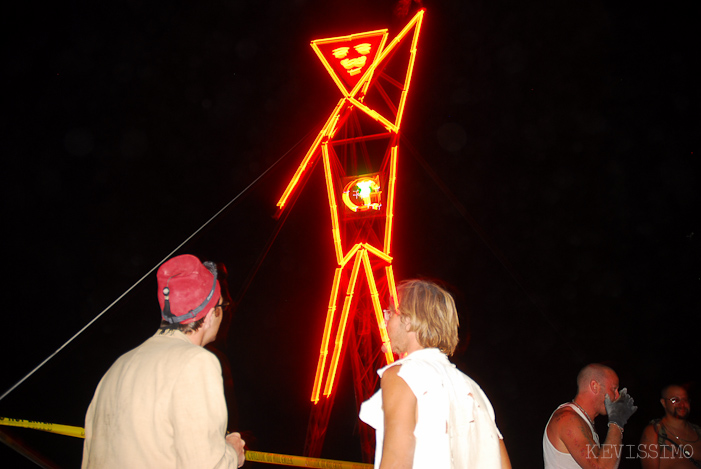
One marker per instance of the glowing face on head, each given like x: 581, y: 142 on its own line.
x: 353, y: 59
x: 348, y: 58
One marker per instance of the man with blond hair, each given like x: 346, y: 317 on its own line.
x: 570, y: 440
x: 428, y: 414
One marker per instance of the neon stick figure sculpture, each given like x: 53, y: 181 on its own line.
x: 358, y: 147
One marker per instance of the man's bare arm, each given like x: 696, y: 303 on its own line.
x: 399, y: 405
x: 505, y: 461
x: 649, y: 449
x: 577, y: 438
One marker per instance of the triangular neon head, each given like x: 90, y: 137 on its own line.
x: 347, y: 58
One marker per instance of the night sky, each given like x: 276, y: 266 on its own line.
x: 548, y: 174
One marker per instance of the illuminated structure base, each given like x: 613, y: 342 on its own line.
x: 362, y: 347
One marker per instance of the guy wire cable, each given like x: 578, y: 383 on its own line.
x: 282, y: 218
x: 147, y: 274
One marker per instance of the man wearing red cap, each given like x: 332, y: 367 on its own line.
x: 162, y: 404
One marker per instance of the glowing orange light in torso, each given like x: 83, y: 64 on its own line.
x: 363, y: 194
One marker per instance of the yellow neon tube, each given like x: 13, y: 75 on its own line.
x: 333, y: 207
x: 375, y: 115
x: 364, y: 81
x: 379, y: 317
x: 409, y: 71
x: 323, y: 353
x: 331, y: 71
x: 417, y: 18
x: 385, y: 52
x: 340, y: 120
x: 342, y: 325
x: 377, y: 252
x: 337, y: 246
x: 351, y: 37
x: 351, y: 253
x: 344, y: 141
x: 391, y: 285
x: 308, y: 157
x: 360, y: 94
x: 392, y: 180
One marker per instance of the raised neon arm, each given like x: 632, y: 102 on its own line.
x: 410, y: 68
x: 330, y: 122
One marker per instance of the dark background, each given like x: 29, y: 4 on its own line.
x: 560, y: 201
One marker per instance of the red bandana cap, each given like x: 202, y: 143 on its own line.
x: 187, y: 289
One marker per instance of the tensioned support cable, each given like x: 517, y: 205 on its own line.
x: 282, y: 218
x: 147, y: 274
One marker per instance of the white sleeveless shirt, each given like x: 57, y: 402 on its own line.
x: 555, y: 459
x: 455, y: 426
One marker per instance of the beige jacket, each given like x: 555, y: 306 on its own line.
x: 161, y: 405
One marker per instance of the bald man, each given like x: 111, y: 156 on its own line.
x: 570, y: 440
x: 672, y: 441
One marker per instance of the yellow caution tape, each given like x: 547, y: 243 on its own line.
x: 68, y: 430
x: 256, y: 456
x: 301, y: 461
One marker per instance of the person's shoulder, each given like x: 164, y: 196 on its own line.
x: 649, y: 435
x: 473, y: 385
x: 565, y: 417
x: 653, y: 423
x: 568, y: 428
x: 649, y: 428
x: 396, y: 364
x: 197, y: 352
x: 566, y: 410
x: 391, y: 378
x: 408, y: 364
x: 418, y: 371
x: 176, y: 349
x: 429, y: 358
x: 392, y: 371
